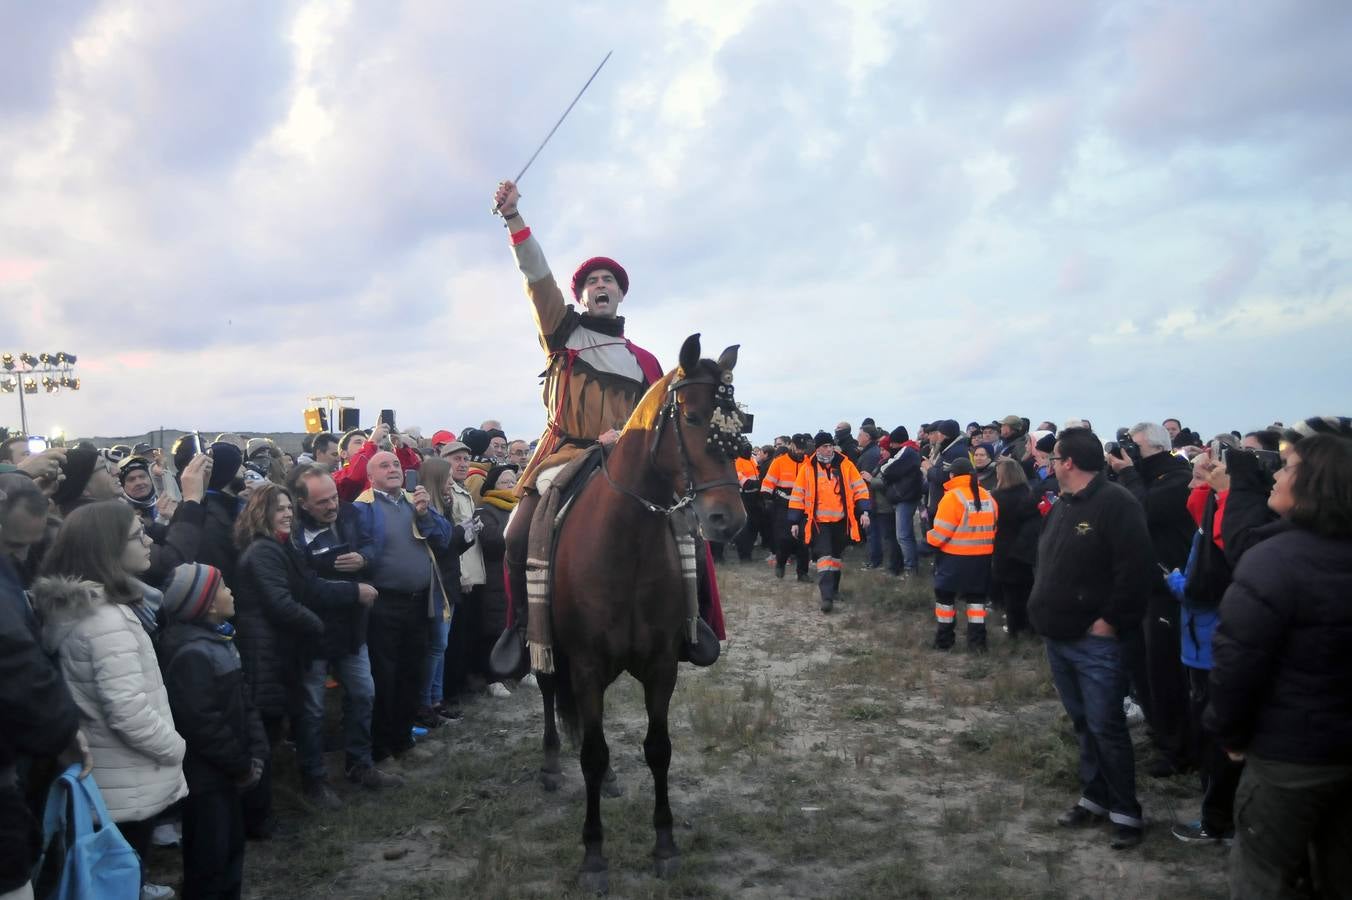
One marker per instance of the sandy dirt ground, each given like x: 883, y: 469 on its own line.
x: 823, y: 756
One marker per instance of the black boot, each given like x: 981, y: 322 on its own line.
x: 945, y: 636
x: 976, y: 637
x: 509, y: 658
x: 826, y: 583
x: 705, y: 650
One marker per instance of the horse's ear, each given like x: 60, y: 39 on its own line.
x: 690, y: 354
x: 728, y: 360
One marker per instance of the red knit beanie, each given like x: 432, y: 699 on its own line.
x: 599, y: 262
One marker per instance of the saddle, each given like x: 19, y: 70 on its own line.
x: 558, y: 490
x: 557, y: 493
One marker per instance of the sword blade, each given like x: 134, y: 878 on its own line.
x: 561, y: 118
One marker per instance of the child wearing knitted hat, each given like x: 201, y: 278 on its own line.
x: 226, y: 744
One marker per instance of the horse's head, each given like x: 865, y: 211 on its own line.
x: 706, y: 427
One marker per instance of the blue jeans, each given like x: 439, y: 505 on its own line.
x: 1091, y: 678
x: 905, y: 513
x: 873, y: 538
x: 435, y: 670
x: 359, y: 692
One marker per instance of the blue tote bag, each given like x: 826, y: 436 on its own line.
x: 98, y: 863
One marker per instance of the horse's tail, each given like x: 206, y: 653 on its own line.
x: 565, y: 701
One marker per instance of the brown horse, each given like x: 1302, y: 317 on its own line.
x: 619, y: 601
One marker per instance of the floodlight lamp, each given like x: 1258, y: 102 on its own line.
x: 45, y: 358
x: 7, y: 385
x: 28, y: 359
x: 74, y: 384
x: 7, y: 361
x: 70, y: 358
x: 30, y: 385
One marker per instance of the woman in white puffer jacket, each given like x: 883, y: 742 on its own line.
x: 97, y: 621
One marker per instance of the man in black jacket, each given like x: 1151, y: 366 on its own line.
x: 37, y: 718
x: 1094, y: 569
x: 1161, y: 483
x: 224, y: 482
x: 326, y: 535
x: 904, y: 485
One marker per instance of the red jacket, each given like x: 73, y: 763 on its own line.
x: 352, y: 478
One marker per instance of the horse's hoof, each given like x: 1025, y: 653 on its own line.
x: 666, y: 868
x: 611, y: 787
x: 594, y: 882
x: 551, y: 781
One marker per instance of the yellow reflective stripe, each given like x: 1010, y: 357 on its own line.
x: 972, y: 542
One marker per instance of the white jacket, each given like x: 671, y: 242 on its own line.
x: 472, y: 571
x: 110, y: 668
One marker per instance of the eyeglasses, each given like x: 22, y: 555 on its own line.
x: 1052, y: 459
x: 138, y: 536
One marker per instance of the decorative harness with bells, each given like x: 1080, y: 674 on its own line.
x: 727, y: 424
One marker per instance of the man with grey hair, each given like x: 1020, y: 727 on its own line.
x: 1160, y: 481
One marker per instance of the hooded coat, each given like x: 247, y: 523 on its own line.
x: 110, y: 668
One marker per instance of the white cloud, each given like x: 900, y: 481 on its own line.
x: 899, y: 210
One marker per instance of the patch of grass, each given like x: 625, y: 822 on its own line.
x: 730, y: 722
x: 868, y: 712
x: 1038, y: 748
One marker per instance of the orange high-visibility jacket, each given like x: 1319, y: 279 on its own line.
x: 958, y: 527
x: 781, y: 475
x: 746, y: 470
x: 829, y: 493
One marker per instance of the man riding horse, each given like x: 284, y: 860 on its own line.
x: 594, y: 380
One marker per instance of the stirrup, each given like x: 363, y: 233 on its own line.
x: 705, y: 650
x: 508, y: 658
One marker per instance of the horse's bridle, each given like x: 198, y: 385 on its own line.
x: 725, y: 429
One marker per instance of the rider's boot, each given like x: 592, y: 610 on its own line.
x: 705, y: 650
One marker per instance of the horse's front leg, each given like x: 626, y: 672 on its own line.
x: 590, y: 696
x: 551, y: 775
x: 657, y: 689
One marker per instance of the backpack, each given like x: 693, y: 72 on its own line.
x: 94, y: 858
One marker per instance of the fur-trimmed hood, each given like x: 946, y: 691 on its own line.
x: 63, y: 601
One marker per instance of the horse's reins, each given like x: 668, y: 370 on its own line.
x: 693, y: 488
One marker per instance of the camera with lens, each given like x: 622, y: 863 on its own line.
x: 1269, y: 461
x: 1124, y: 447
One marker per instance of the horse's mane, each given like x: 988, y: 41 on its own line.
x: 644, y: 416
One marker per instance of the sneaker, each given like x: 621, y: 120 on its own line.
x: 426, y: 719
x: 318, y: 793
x: 373, y: 779
x: 448, y: 712
x: 827, y: 603
x: 804, y: 577
x: 1125, y: 837
x: 1135, y: 715
x: 1197, y: 833
x: 417, y: 731
x: 1079, y: 817
x: 529, y: 680
x: 1163, y: 767
x: 416, y: 755
x: 498, y: 689
x: 170, y: 834
x: 156, y: 891
x: 779, y: 570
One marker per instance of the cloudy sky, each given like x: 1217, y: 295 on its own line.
x: 899, y: 209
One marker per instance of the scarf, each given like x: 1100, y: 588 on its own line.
x: 500, y: 499
x: 147, y: 505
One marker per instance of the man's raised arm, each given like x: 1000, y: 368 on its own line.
x: 543, y: 290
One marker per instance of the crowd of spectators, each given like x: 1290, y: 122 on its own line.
x: 168, y: 619
x: 170, y: 616
x: 1197, y: 587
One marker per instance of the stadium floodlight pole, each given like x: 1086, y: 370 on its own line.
x: 24, y: 366
x: 497, y: 209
